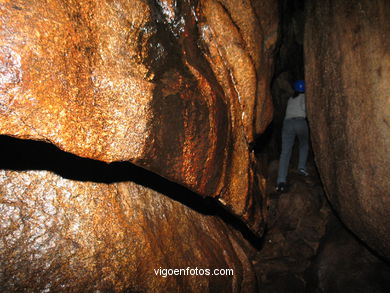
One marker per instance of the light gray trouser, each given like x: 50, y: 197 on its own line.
x: 293, y: 127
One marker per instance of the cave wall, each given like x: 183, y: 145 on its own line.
x: 61, y: 235
x: 347, y: 72
x: 177, y: 87
x: 181, y: 88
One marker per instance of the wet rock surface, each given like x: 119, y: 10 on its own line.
x: 72, y: 70
x: 347, y: 72
x: 181, y: 88
x: 85, y: 226
x: 158, y: 83
x: 61, y: 235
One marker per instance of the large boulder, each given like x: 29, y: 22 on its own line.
x: 181, y: 90
x: 160, y: 84
x: 347, y: 53
x: 62, y: 235
x: 345, y: 264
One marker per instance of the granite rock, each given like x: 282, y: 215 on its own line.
x: 347, y: 72
x: 156, y: 83
x: 62, y: 235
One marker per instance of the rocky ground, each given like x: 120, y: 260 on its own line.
x: 307, y: 249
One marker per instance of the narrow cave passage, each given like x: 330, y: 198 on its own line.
x: 289, y: 67
x: 306, y: 247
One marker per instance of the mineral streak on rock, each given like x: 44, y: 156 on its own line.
x: 215, y: 95
x: 267, y: 13
x: 158, y: 83
x: 231, y: 39
x: 60, y: 235
x: 347, y: 51
x: 242, y: 34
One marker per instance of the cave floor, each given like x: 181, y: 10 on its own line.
x: 307, y: 249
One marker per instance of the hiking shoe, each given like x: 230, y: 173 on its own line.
x: 281, y: 187
x: 303, y: 172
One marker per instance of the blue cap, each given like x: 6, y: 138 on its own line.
x: 299, y: 86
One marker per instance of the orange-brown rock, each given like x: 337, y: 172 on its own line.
x: 347, y: 51
x: 61, y: 235
x: 156, y: 83
x: 72, y: 75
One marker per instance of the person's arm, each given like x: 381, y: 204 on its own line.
x: 303, y: 103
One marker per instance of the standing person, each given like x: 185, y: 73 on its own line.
x: 294, y: 124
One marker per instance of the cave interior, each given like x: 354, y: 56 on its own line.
x: 305, y: 246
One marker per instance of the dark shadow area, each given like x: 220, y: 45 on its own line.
x: 337, y: 224
x: 364, y: 270
x: 289, y: 56
x: 25, y: 155
x: 263, y: 141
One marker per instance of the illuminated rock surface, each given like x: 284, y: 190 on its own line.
x: 181, y: 88
x: 347, y: 51
x: 161, y: 85
x: 61, y: 235
x: 83, y: 227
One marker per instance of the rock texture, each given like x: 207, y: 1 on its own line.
x: 179, y: 88
x: 347, y: 55
x: 61, y: 235
x: 344, y: 264
x: 160, y: 84
x: 307, y: 249
x: 296, y: 225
